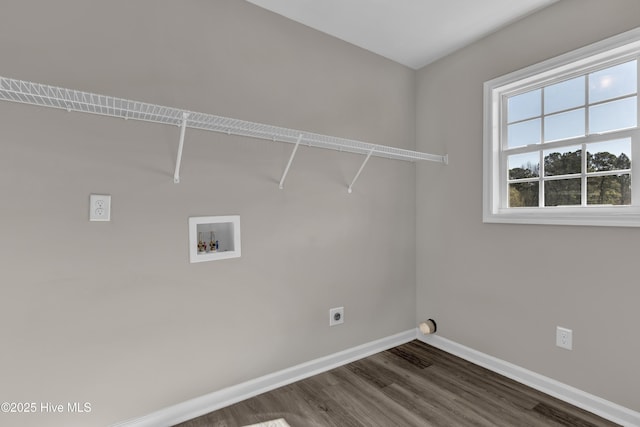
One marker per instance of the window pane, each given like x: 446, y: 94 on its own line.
x: 563, y: 161
x: 523, y: 133
x: 610, y: 155
x: 613, y: 82
x: 614, y: 115
x: 524, y: 106
x: 609, y: 190
x: 524, y: 165
x: 564, y: 95
x: 564, y: 125
x: 562, y: 192
x: 523, y: 194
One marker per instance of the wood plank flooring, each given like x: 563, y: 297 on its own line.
x: 414, y: 384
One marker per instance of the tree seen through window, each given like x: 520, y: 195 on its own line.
x: 602, y: 189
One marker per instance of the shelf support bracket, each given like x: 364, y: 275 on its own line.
x: 350, y: 189
x: 183, y: 128
x: 286, y: 169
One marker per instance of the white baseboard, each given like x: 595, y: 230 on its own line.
x: 219, y: 399
x: 604, y: 408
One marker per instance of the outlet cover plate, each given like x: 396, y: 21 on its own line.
x: 564, y: 338
x: 336, y: 316
x: 99, y: 207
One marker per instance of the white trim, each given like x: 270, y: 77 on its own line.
x: 608, y: 52
x: 612, y: 48
x: 219, y: 399
x: 604, y: 408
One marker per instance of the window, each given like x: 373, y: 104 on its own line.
x: 559, y: 138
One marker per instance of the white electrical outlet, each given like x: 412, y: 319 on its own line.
x: 336, y: 316
x: 564, y: 338
x: 99, y: 207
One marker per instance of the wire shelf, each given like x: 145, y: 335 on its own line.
x: 73, y: 100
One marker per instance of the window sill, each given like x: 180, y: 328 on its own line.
x: 618, y: 216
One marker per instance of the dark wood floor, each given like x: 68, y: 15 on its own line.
x: 411, y: 385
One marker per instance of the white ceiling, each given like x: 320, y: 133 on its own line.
x: 411, y: 32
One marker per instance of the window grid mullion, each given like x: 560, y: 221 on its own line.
x: 582, y: 106
x: 588, y: 139
x: 541, y: 153
x: 635, y: 145
x: 583, y: 179
x: 609, y: 173
x: 504, y: 139
x: 561, y: 177
x: 587, y: 105
x: 541, y: 181
x: 637, y: 95
x: 542, y: 115
x: 615, y: 172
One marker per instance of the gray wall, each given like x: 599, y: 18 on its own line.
x: 502, y: 289
x: 114, y: 313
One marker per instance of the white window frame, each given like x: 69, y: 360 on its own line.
x: 621, y: 48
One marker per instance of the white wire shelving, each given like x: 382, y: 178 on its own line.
x: 73, y: 100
